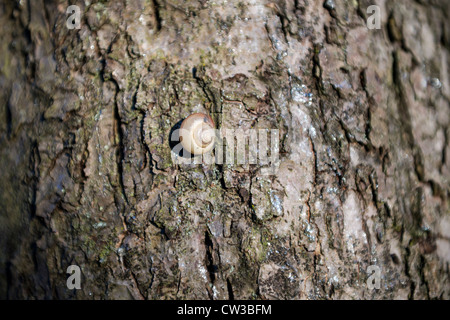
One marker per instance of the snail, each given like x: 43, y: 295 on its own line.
x: 197, y: 133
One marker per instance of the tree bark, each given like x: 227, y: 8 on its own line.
x: 88, y: 176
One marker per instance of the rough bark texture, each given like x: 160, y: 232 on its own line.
x: 88, y: 178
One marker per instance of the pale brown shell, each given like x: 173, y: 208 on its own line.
x: 197, y: 133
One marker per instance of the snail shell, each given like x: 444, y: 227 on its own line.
x: 197, y: 133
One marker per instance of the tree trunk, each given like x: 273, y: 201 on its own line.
x: 89, y: 179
